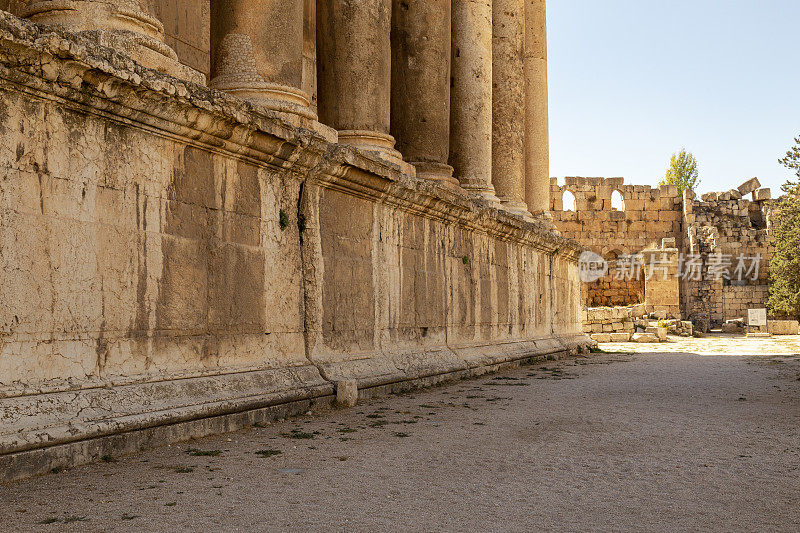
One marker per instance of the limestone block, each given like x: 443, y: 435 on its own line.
x: 709, y: 197
x: 762, y: 194
x: 783, y: 327
x: 749, y: 186
x: 645, y: 338
x: 659, y: 332
x: 601, y: 337
x: 734, y: 194
x: 347, y: 393
x: 670, y: 191
x: 620, y: 337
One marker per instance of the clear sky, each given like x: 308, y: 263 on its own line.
x: 632, y: 81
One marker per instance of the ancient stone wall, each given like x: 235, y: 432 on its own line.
x: 645, y: 216
x: 722, y: 227
x: 177, y: 256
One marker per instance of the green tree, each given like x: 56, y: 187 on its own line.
x: 784, y: 265
x: 682, y: 171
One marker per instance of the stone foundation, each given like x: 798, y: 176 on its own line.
x: 174, y: 255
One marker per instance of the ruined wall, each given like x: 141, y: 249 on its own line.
x: 170, y: 256
x: 647, y: 216
x: 728, y: 225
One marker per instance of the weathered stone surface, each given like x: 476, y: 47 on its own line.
x: 783, y: 327
x: 602, y: 337
x: 762, y: 194
x: 645, y: 338
x: 749, y: 186
x: 172, y: 253
x: 347, y: 393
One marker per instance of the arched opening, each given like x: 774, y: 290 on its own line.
x: 568, y: 201
x: 617, y: 201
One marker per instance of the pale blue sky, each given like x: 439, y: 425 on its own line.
x: 632, y: 81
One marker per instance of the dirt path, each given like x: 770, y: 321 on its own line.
x: 644, y: 442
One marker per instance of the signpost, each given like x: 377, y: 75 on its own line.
x: 757, y: 319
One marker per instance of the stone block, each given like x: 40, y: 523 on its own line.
x: 347, y: 393
x: 749, y: 186
x: 620, y: 337
x: 762, y: 194
x: 783, y: 327
x: 659, y: 332
x: 601, y: 337
x: 735, y: 195
x: 645, y: 338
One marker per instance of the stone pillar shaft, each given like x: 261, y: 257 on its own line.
x: 354, y: 72
x: 508, y: 104
x: 420, y: 111
x: 257, y: 52
x: 471, y: 96
x: 537, y: 145
x: 128, y: 26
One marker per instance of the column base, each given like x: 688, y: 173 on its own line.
x: 125, y: 29
x: 516, y: 207
x: 372, y: 141
x: 438, y: 172
x: 482, y: 191
x: 273, y: 96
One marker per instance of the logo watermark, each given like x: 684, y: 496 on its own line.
x: 692, y: 267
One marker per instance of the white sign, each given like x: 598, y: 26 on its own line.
x: 757, y: 317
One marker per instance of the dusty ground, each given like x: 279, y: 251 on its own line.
x: 637, y: 442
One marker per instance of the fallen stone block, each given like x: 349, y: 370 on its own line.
x: 659, y: 332
x: 645, y: 338
x: 620, y: 337
x: 734, y: 194
x: 749, y: 186
x: 783, y: 327
x: 602, y: 337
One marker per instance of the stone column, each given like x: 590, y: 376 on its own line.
x: 471, y: 97
x: 128, y: 26
x: 537, y: 145
x: 420, y: 112
x: 508, y: 104
x: 354, y: 72
x: 257, y: 52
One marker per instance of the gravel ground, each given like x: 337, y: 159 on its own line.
x: 636, y: 442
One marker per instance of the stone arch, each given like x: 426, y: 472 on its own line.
x: 617, y: 201
x: 568, y: 201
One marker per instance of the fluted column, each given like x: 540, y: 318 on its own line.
x: 537, y: 145
x: 257, y: 52
x: 354, y: 67
x: 471, y: 96
x: 508, y: 104
x: 420, y: 113
x: 128, y: 26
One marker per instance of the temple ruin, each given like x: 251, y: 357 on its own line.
x: 698, y: 241
x: 217, y: 212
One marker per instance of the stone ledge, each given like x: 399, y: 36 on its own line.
x: 63, y: 443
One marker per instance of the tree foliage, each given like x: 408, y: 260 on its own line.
x: 784, y: 299
x: 682, y: 171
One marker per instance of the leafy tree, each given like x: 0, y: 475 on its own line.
x: 784, y: 265
x: 682, y: 171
